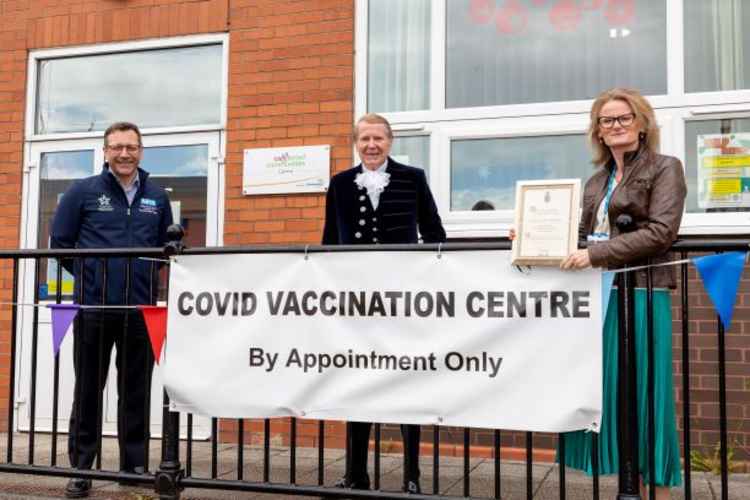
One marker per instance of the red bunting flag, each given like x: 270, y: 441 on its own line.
x: 156, y: 324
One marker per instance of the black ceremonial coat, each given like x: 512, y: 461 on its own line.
x: 406, y: 205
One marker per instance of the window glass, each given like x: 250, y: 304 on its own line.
x: 398, y: 55
x: 717, y: 45
x: 57, y: 172
x: 414, y: 151
x: 487, y: 169
x: 717, y: 165
x: 183, y: 172
x: 154, y: 88
x: 513, y: 51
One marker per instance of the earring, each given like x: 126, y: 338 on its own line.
x: 641, y: 135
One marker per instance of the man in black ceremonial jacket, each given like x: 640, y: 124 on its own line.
x: 379, y: 201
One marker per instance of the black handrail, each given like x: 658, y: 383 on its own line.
x: 170, y: 477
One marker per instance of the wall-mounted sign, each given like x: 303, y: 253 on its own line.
x: 286, y: 170
x: 724, y: 170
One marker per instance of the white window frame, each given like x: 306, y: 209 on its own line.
x: 215, y: 220
x: 673, y: 109
x: 467, y: 223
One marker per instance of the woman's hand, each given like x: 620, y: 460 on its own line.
x: 577, y: 260
x: 512, y: 234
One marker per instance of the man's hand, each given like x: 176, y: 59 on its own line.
x: 577, y: 260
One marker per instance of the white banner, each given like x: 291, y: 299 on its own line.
x: 460, y: 338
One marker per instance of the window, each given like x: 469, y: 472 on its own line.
x: 515, y: 52
x: 718, y: 43
x: 57, y: 172
x: 501, y: 91
x: 183, y: 172
x: 153, y: 88
x: 399, y: 63
x: 487, y: 169
x: 717, y: 166
x: 412, y: 150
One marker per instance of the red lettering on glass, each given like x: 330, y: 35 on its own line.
x: 591, y: 4
x: 512, y: 17
x: 481, y: 11
x: 565, y: 15
x: 620, y: 12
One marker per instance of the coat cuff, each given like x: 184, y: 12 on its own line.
x: 598, y: 254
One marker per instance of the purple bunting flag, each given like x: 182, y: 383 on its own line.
x: 62, y: 317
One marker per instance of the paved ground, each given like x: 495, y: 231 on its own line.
x: 512, y: 475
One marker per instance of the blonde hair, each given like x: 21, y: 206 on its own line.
x: 373, y: 118
x: 644, y: 119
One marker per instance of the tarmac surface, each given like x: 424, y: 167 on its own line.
x: 545, y: 476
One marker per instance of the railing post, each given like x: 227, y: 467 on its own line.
x: 169, y: 475
x: 627, y: 393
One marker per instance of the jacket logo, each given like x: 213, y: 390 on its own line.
x: 148, y: 206
x: 104, y: 203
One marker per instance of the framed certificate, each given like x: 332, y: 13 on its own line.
x: 546, y: 221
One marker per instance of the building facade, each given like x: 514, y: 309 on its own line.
x: 481, y: 93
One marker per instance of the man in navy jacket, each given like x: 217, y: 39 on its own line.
x: 380, y: 201
x: 118, y: 208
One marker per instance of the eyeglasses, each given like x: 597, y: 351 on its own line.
x: 609, y: 121
x: 130, y: 148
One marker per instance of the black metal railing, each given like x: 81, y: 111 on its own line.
x: 173, y: 475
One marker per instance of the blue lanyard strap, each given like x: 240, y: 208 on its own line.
x: 610, y: 189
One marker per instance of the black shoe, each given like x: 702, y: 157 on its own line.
x: 362, y: 484
x: 130, y: 482
x: 412, y: 487
x: 78, y: 488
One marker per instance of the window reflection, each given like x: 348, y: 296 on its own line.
x: 487, y: 169
x: 510, y: 52
x: 414, y: 151
x: 57, y: 172
x: 183, y: 172
x: 154, y: 88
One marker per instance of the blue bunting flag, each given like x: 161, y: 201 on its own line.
x: 721, y: 275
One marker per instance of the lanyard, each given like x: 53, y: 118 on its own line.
x: 610, y: 189
x: 605, y: 209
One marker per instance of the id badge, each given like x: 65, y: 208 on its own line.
x: 596, y: 237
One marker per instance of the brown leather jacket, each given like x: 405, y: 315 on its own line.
x: 652, y: 191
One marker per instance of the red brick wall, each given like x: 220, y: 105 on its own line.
x: 704, y: 368
x: 291, y: 81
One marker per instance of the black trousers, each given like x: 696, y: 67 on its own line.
x: 95, y: 334
x: 359, y: 440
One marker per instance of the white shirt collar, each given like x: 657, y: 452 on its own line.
x: 381, y: 168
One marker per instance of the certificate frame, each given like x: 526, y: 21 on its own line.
x: 545, y: 236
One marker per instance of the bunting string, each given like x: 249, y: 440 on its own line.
x: 720, y: 274
x: 39, y: 304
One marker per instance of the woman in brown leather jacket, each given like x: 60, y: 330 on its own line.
x: 632, y: 178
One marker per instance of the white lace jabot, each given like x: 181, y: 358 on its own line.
x: 375, y: 181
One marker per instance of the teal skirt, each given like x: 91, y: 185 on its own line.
x: 667, y: 456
